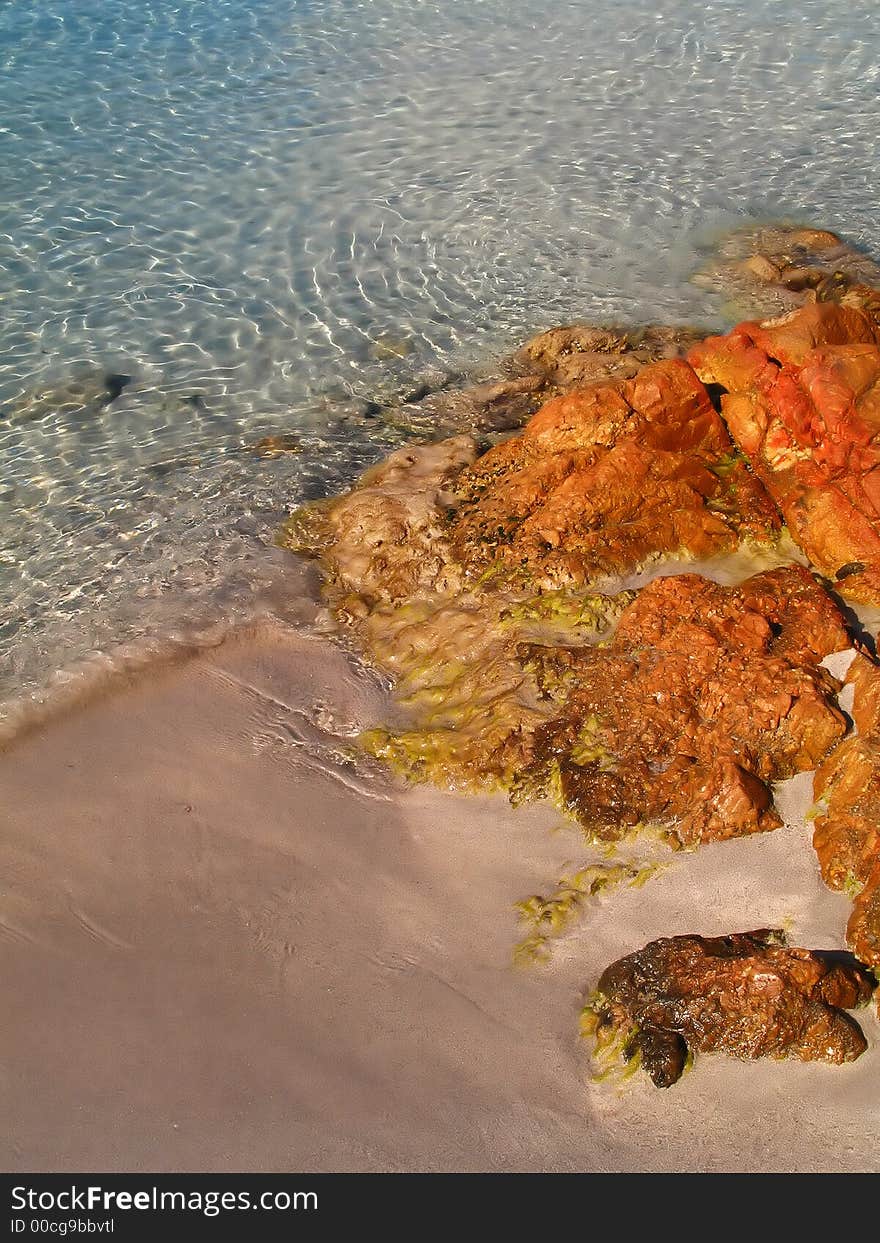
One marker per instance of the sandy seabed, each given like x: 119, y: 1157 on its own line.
x: 227, y: 946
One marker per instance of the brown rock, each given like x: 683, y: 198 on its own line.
x: 762, y: 268
x: 275, y: 446
x: 386, y: 539
x: 545, y: 351
x: 863, y: 929
x: 847, y: 837
x: 746, y: 994
x: 847, y: 834
x: 799, y: 278
x: 493, y: 406
x: 816, y: 240
x: 579, y: 354
x: 864, y: 676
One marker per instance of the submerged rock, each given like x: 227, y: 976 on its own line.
x: 277, y: 445
x: 773, y: 269
x: 390, y: 346
x: 552, y: 363
x: 493, y: 406
x: 747, y: 994
x: 578, y: 354
x: 88, y: 390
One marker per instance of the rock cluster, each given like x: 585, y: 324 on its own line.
x: 494, y: 589
x: 772, y: 269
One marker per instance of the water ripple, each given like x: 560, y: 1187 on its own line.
x: 239, y: 203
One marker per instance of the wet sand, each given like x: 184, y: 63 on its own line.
x: 227, y: 947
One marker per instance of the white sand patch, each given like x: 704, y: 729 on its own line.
x: 229, y: 946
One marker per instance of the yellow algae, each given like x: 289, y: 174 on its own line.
x: 459, y: 685
x: 615, y: 1055
x: 588, y: 747
x: 566, y: 616
x: 547, y: 918
x: 307, y: 531
x: 466, y: 698
x: 613, y: 1052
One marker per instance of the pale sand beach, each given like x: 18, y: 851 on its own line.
x: 251, y: 248
x: 228, y: 946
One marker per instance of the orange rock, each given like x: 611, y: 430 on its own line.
x: 815, y: 240
x: 606, y: 478
x: 704, y: 695
x: 864, y: 676
x: 574, y: 355
x: 801, y: 397
x: 790, y: 338
x: 863, y: 929
x: 847, y: 835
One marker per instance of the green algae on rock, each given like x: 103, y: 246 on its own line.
x: 704, y: 696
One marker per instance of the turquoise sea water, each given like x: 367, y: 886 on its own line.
x: 239, y: 204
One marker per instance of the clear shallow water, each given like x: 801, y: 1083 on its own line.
x: 241, y: 204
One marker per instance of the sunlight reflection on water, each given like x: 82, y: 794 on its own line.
x: 239, y: 204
